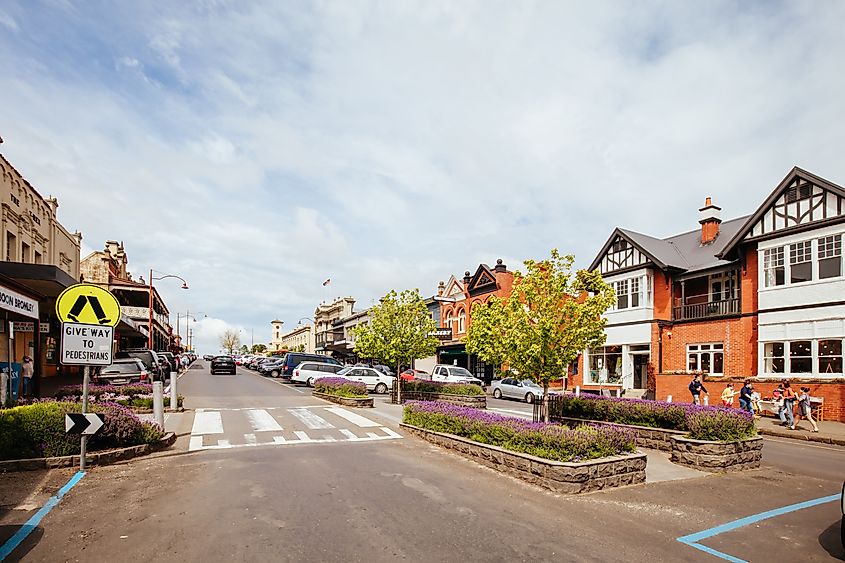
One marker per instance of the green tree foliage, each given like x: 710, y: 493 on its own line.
x: 399, y: 331
x: 244, y: 349
x: 258, y: 348
x: 551, y: 315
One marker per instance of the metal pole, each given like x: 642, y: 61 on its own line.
x: 150, y: 322
x: 174, y: 403
x: 158, y: 403
x: 83, y: 442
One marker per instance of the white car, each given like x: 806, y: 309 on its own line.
x: 309, y: 372
x: 453, y: 374
x: 375, y: 380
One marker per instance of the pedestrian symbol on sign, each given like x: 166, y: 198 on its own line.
x: 86, y: 303
x: 79, y: 305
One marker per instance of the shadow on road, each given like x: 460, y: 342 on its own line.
x: 27, y: 544
x: 831, y: 541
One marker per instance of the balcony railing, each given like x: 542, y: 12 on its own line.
x: 705, y: 310
x: 327, y: 338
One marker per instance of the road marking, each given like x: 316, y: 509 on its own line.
x: 303, y: 437
x: 262, y: 421
x: 223, y: 444
x: 251, y: 440
x: 512, y: 411
x: 310, y: 419
x: 349, y: 435
x: 373, y: 435
x: 329, y: 439
x: 355, y: 419
x: 196, y: 443
x: 207, y: 422
x: 390, y: 432
x: 693, y: 539
x: 279, y: 439
x: 13, y: 542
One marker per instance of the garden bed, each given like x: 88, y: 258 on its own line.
x: 717, y: 457
x: 363, y: 402
x: 465, y: 394
x: 651, y: 438
x: 587, y: 458
x: 137, y: 396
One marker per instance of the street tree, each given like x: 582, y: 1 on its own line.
x: 400, y: 331
x: 244, y: 349
x: 230, y: 340
x: 258, y: 348
x: 550, y: 316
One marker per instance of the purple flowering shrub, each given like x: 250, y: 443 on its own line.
x: 424, y: 386
x: 340, y: 387
x: 38, y: 429
x: 548, y: 441
x: 138, y: 395
x: 719, y: 423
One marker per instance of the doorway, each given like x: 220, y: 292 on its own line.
x: 640, y: 370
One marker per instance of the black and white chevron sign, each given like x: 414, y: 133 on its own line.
x: 78, y: 423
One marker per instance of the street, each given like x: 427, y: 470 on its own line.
x: 262, y: 471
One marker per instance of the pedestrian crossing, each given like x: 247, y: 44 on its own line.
x: 216, y: 429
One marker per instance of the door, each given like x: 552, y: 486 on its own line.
x: 370, y: 378
x: 640, y: 371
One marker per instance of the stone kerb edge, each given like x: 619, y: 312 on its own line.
x: 558, y: 476
x: 363, y: 402
x: 717, y: 457
x: 93, y: 458
x: 477, y: 401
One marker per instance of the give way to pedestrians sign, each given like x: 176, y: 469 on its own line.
x: 86, y: 345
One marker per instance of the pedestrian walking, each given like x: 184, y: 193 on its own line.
x: 786, y: 416
x: 728, y: 395
x: 746, y: 397
x: 696, y: 387
x: 27, y: 369
x: 804, y: 409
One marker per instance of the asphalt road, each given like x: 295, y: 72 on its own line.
x: 309, y: 482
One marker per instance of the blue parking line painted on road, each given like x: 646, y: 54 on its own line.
x: 7, y: 548
x: 693, y: 539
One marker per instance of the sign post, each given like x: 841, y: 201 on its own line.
x: 89, y: 314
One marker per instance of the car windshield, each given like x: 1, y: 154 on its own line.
x: 223, y: 358
x: 120, y: 368
x: 344, y: 371
x: 460, y: 372
x: 529, y: 383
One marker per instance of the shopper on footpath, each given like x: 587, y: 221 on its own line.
x: 696, y: 387
x: 27, y: 369
x: 786, y: 416
x: 804, y: 409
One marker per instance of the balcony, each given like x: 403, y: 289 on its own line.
x: 327, y: 338
x: 714, y: 295
x: 704, y: 310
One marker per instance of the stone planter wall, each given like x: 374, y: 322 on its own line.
x: 651, y: 438
x: 345, y: 401
x: 561, y: 477
x: 717, y: 457
x: 475, y: 401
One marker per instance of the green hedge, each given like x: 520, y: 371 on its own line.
x: 423, y: 386
x: 38, y: 430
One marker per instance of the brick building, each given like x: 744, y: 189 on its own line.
x: 759, y: 296
x: 457, y: 299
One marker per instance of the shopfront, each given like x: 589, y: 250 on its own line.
x: 19, y: 313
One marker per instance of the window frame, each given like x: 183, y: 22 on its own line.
x: 710, y: 350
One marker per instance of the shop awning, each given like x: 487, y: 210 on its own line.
x: 47, y: 281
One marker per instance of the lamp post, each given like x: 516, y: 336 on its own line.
x: 150, y: 321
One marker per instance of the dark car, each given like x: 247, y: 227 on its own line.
x: 149, y: 358
x: 273, y: 367
x: 293, y: 359
x: 208, y: 357
x: 174, y: 366
x: 123, y: 372
x: 224, y: 364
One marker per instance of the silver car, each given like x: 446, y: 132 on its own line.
x: 510, y: 388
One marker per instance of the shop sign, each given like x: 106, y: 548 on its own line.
x: 442, y: 333
x: 17, y: 303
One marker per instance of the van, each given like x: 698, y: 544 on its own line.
x: 293, y: 359
x: 309, y: 372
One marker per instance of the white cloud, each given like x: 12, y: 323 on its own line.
x: 258, y: 149
x: 8, y: 21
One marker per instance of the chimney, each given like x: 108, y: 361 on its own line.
x: 709, y: 217
x: 441, y: 289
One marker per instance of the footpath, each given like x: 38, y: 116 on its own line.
x: 830, y: 432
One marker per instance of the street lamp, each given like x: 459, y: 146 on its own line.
x: 150, y: 321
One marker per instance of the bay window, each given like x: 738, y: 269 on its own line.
x: 830, y: 356
x: 801, y: 356
x: 773, y: 357
x: 773, y: 266
x: 822, y: 357
x: 830, y: 256
x: 800, y: 262
x: 622, y: 294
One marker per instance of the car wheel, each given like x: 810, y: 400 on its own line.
x: 310, y: 382
x: 497, y: 393
x: 274, y: 373
x: 381, y: 388
x: 529, y: 398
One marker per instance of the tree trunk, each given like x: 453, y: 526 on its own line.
x: 398, y: 385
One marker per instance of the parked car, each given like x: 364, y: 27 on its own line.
x: 123, y: 372
x: 453, y: 374
x: 293, y: 359
x: 511, y: 388
x: 208, y: 357
x: 309, y: 372
x: 150, y: 359
x: 410, y: 374
x: 223, y: 364
x: 273, y: 368
x: 375, y: 380
x: 171, y: 359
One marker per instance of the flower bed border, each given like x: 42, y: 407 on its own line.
x: 647, y: 436
x: 475, y: 401
x: 105, y: 457
x: 717, y: 457
x: 362, y: 402
x: 558, y: 476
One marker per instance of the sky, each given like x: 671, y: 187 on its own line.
x: 259, y: 148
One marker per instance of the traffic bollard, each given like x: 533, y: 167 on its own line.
x: 174, y: 402
x: 158, y: 403
x: 706, y: 400
x: 577, y: 390
x: 669, y: 399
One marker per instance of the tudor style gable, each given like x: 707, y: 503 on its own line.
x: 622, y: 253
x: 454, y: 288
